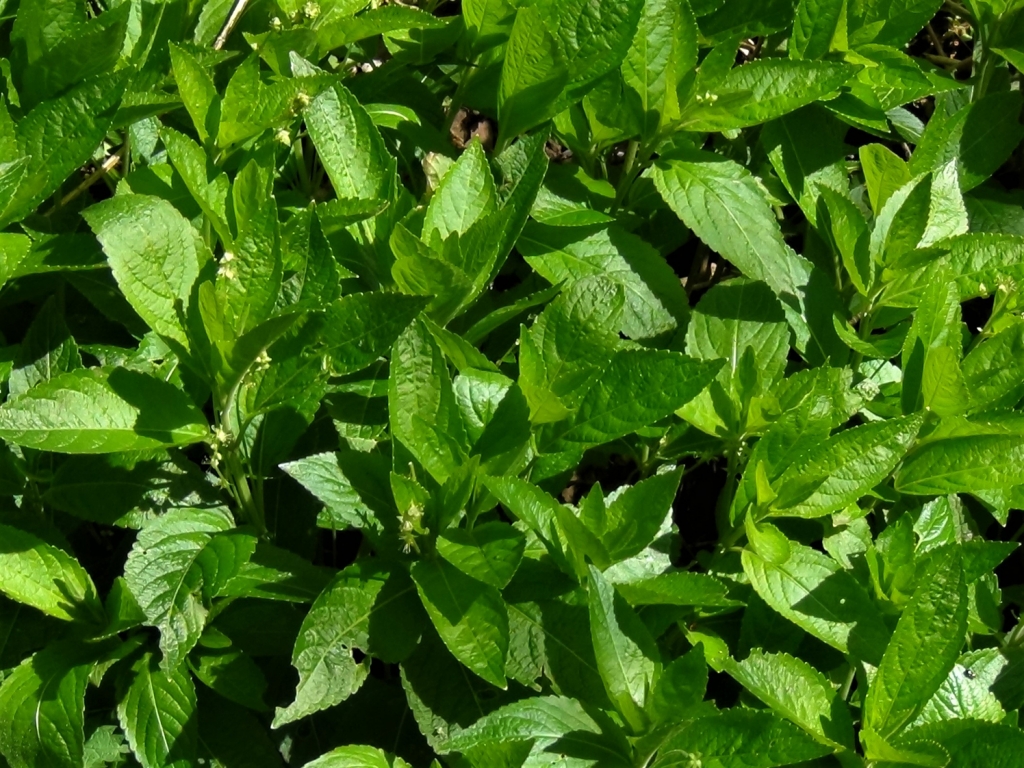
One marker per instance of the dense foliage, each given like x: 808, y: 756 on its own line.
x: 511, y: 383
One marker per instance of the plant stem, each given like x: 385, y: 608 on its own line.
x: 844, y: 692
x: 984, y: 61
x: 108, y: 166
x: 936, y: 41
x: 626, y: 179
x: 300, y: 164
x: 229, y: 24
x: 243, y: 494
x: 867, y: 325
x: 725, y: 498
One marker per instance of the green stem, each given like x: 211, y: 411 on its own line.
x: 844, y: 692
x: 867, y: 325
x: 300, y: 164
x: 243, y: 494
x: 725, y: 499
x: 984, y: 61
x: 628, y: 174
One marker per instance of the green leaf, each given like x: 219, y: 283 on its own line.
x: 845, y: 467
x: 361, y: 327
x: 815, y: 593
x: 105, y: 745
x: 735, y: 315
x: 532, y: 77
x: 931, y: 353
x: 251, y: 106
x: 798, y: 692
x: 315, y: 282
x: 545, y: 721
x: 975, y: 744
x: 57, y: 137
x: 901, y: 223
x: 443, y: 696
x: 424, y: 414
x: 627, y: 657
x: 850, y: 233
x: 636, y: 515
x: 674, y: 588
x: 248, y: 278
x: 533, y: 506
x: 338, y: 31
x: 488, y: 21
x: 763, y: 90
x: 884, y: 173
x: 888, y: 23
x: 654, y: 301
x: 663, y: 51
x: 965, y: 456
x: 45, y: 577
x: 614, y: 405
x: 923, y: 649
x: 353, y: 487
x: 490, y: 552
x: 730, y: 319
x: 233, y: 675
x: 157, y: 710
x: 681, y: 687
x: 979, y: 137
x: 357, y: 757
x: 592, y: 38
x: 127, y: 489
x: 993, y: 372
x: 47, y: 351
x: 190, y: 161
x: 738, y: 738
x: 765, y: 540
x: 479, y: 394
x: 470, y: 617
x: 86, y: 49
x: 277, y: 574
x: 14, y: 249
x: 338, y: 624
x: 819, y: 27
x: 465, y: 195
x: 42, y: 709
x: 983, y: 261
x: 552, y: 639
x: 722, y: 203
x: 156, y: 257
x: 349, y: 146
x: 99, y: 411
x: 178, y: 559
x: 566, y: 347
x: 197, y: 91
x: 966, y: 692
x: 808, y: 151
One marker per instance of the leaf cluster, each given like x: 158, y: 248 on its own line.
x: 500, y: 383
